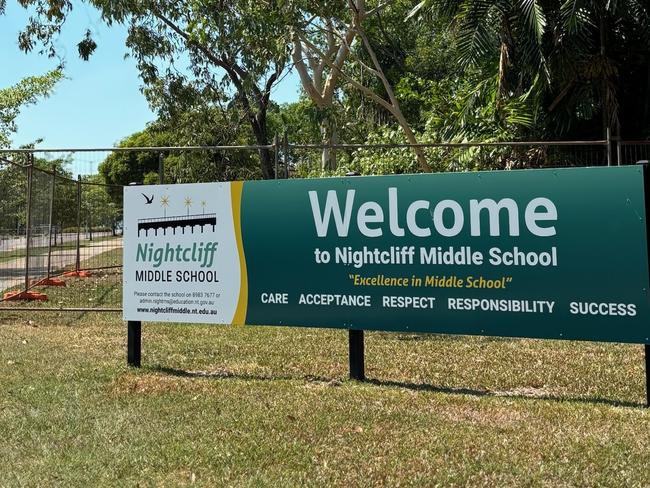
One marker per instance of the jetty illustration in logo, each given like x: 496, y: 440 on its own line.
x: 192, y: 222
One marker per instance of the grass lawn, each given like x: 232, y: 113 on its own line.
x: 271, y: 406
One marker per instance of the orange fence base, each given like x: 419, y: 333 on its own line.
x: 25, y: 295
x: 49, y: 282
x: 77, y: 274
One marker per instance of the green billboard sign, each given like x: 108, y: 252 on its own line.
x: 556, y: 253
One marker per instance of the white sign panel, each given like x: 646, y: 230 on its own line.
x: 181, y: 261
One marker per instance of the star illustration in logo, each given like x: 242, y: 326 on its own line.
x: 164, y: 202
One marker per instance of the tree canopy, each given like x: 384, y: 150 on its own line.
x: 370, y: 71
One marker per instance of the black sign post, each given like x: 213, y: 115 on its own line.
x: 134, y: 344
x: 355, y: 340
x: 134, y: 328
x: 357, y: 367
x: 133, y: 340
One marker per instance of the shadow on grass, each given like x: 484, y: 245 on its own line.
x: 224, y: 374
x: 486, y: 393
x: 221, y: 374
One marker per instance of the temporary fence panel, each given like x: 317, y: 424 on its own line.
x: 101, y: 229
x: 39, y: 207
x: 52, y: 224
x: 13, y: 224
x: 633, y: 151
x: 63, y: 252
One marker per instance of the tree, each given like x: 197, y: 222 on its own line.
x: 320, y: 69
x: 13, y: 177
x: 98, y: 210
x: 569, y: 62
x: 27, y: 92
x: 199, y: 126
x: 123, y: 168
x: 327, y: 43
x: 234, y: 48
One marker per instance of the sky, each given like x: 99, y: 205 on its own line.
x: 99, y: 102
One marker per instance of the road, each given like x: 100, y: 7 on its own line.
x: 12, y: 273
x: 15, y: 243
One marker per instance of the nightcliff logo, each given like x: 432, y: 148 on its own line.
x: 191, y: 223
x: 160, y: 255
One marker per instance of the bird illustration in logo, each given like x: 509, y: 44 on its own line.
x: 149, y: 200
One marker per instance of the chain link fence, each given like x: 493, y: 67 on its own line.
x: 309, y: 160
x: 52, y: 224
x: 633, y: 151
x: 13, y: 228
x: 63, y: 238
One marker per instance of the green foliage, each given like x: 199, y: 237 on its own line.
x: 198, y: 127
x: 44, y: 25
x: 26, y: 92
x: 124, y: 168
x: 300, y: 119
x: 13, y: 181
x: 581, y: 62
x: 385, y: 161
x: 98, y: 208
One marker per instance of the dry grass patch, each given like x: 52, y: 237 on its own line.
x: 154, y: 384
x: 496, y: 416
x: 272, y: 406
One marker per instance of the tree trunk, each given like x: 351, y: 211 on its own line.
x: 329, y: 137
x: 410, y: 137
x: 394, y: 106
x: 267, y: 163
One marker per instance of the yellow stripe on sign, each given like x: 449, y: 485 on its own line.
x: 236, y: 189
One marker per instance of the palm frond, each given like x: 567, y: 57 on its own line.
x: 477, y: 35
x: 534, y: 17
x: 576, y: 16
